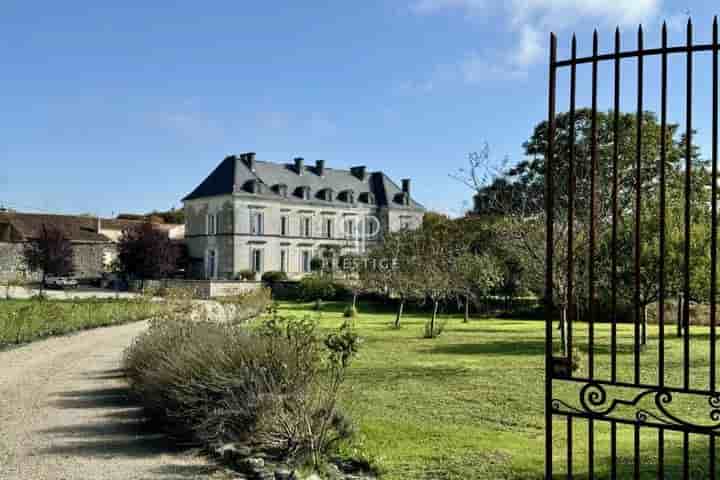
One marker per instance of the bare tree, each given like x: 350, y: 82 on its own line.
x: 51, y: 253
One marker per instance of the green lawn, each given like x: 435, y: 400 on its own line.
x: 469, y: 404
x: 23, y: 321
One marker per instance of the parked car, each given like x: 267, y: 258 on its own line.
x: 61, y: 282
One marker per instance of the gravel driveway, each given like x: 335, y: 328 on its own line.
x: 64, y: 415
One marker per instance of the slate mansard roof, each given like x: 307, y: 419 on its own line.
x: 245, y: 175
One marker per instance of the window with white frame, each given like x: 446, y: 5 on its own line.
x: 284, y: 259
x: 256, y: 260
x: 306, y: 227
x: 256, y: 223
x: 305, y: 261
x: 211, y: 264
x: 349, y: 227
x: 211, y: 224
x: 328, y: 227
x: 284, y: 225
x: 371, y: 226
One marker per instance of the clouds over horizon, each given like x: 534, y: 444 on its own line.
x: 527, y: 23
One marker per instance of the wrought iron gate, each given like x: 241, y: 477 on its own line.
x: 638, y: 413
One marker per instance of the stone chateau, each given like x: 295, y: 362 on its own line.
x: 252, y: 215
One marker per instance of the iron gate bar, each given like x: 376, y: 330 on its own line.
x: 636, y: 452
x: 645, y: 423
x: 688, y: 179
x: 663, y: 160
x: 549, y: 242
x: 640, y: 386
x: 613, y: 279
x: 648, y: 52
x: 616, y: 155
x: 661, y: 453
x: 593, y: 226
x: 661, y: 279
x: 713, y: 234
x: 569, y: 447
x: 638, y: 205
x: 613, y: 450
x: 571, y: 208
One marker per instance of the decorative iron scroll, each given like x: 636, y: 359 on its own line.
x: 594, y: 402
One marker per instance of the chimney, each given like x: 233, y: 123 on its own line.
x: 320, y: 167
x: 406, y: 185
x: 359, y: 172
x: 299, y: 165
x: 249, y: 159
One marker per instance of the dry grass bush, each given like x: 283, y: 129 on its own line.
x: 272, y: 388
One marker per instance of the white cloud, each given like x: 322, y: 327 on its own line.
x: 529, y: 49
x: 528, y: 21
x: 565, y: 13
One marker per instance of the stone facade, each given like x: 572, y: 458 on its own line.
x: 234, y: 243
x: 89, y: 261
x: 251, y: 215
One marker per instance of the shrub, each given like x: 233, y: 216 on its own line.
x: 350, y: 312
x: 248, y: 305
x: 316, y: 264
x: 272, y: 389
x: 313, y: 287
x: 274, y: 277
x: 247, y: 275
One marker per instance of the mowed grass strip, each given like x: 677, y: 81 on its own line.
x: 469, y: 404
x: 23, y: 321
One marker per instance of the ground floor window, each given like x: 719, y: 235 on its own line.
x: 256, y: 260
x: 211, y: 264
x: 284, y: 260
x: 305, y: 260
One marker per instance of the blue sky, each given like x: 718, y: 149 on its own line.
x: 126, y: 108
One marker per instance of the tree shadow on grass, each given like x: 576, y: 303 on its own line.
x: 533, y: 347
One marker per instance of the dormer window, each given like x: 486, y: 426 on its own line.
x: 367, y: 197
x: 326, y: 194
x: 402, y: 198
x: 254, y: 186
x: 281, y: 189
x: 347, y: 196
x: 303, y: 192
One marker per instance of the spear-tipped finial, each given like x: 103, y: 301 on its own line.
x: 595, y: 42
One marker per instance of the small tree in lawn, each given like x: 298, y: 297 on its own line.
x: 435, y: 254
x: 404, y: 277
x: 146, y: 252
x: 356, y: 277
x: 474, y: 275
x: 51, y: 253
